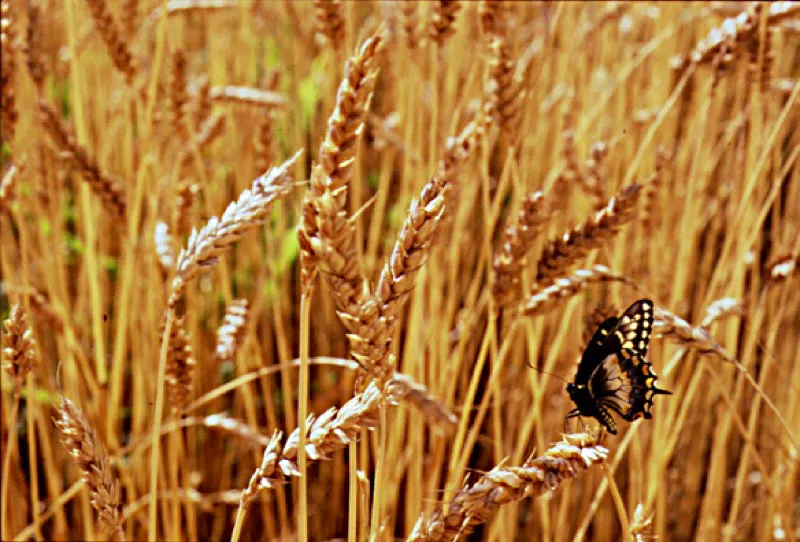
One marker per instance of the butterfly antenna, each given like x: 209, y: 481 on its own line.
x: 547, y: 372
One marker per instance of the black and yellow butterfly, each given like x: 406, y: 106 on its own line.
x: 613, y: 373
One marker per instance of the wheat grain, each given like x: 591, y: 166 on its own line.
x: 178, y: 95
x: 164, y: 248
x: 324, y: 226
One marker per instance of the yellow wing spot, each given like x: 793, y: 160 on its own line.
x: 646, y: 306
x: 645, y: 324
x: 625, y: 319
x: 649, y: 381
x: 641, y: 345
x: 644, y: 333
x: 633, y: 325
x: 637, y: 316
x: 631, y: 335
x: 627, y: 344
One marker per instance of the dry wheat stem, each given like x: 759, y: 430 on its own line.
x: 564, y: 252
x: 80, y: 440
x: 563, y: 288
x: 721, y: 309
x: 476, y: 504
x: 110, y: 190
x: 219, y: 234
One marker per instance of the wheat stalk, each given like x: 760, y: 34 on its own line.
x: 477, y: 503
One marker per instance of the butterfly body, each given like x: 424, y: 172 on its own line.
x: 613, y: 374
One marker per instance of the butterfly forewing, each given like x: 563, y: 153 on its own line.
x: 596, y: 351
x: 631, y: 336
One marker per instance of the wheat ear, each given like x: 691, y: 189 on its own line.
x: 443, y: 20
x: 117, y: 47
x: 8, y: 49
x: 518, y: 238
x: 330, y: 21
x: 476, y: 504
x: 34, y: 55
x: 180, y: 366
x: 563, y: 288
x: 110, y: 190
x: 219, y: 234
x: 564, y: 252
x: 80, y: 440
x: 325, y: 233
x: 229, y: 334
x: 19, y: 347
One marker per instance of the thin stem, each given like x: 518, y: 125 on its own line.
x: 7, y: 463
x: 623, y: 516
x: 352, y: 497
x: 302, y: 408
x: 155, y: 439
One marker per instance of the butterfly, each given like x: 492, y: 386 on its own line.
x: 613, y: 374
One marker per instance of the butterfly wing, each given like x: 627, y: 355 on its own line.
x: 631, y: 336
x: 596, y: 351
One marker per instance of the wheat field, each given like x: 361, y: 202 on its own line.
x: 283, y: 270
